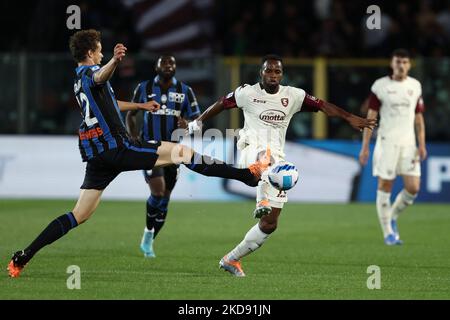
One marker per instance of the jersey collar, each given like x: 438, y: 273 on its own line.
x: 156, y: 81
x: 264, y: 90
x: 80, y: 68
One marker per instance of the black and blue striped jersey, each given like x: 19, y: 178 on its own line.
x: 178, y: 100
x: 102, y: 127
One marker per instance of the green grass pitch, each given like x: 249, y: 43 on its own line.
x: 318, y: 252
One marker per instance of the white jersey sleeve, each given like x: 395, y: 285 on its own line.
x: 376, y: 88
x: 241, y: 95
x: 298, y: 96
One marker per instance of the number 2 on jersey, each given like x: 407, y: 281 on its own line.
x: 82, y: 98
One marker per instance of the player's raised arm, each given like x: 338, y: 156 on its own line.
x: 212, y: 111
x: 105, y: 73
x: 130, y: 120
x: 356, y: 122
x: 223, y: 103
x: 148, y: 106
x: 311, y: 103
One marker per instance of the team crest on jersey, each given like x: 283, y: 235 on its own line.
x: 284, y: 102
x: 410, y: 92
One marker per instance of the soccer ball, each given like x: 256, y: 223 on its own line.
x: 283, y: 175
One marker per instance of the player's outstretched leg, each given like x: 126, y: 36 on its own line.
x: 84, y: 208
x: 171, y: 153
x: 263, y: 207
x: 252, y: 241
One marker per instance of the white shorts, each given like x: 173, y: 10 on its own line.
x: 276, y: 197
x: 391, y: 160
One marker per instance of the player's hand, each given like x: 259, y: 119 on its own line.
x: 182, y: 123
x: 119, y: 52
x: 364, y: 156
x: 422, y: 152
x: 194, y: 126
x: 150, y: 106
x: 359, y: 123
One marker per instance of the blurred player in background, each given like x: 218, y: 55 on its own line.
x: 398, y: 101
x: 177, y: 102
x: 268, y: 108
x: 108, y: 149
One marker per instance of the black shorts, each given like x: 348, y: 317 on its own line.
x: 170, y: 174
x: 102, y: 169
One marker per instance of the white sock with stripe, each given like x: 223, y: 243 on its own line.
x: 384, y: 211
x: 252, y: 241
x: 403, y: 199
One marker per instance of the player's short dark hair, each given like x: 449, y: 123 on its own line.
x: 271, y: 57
x: 82, y: 41
x: 401, y: 53
x: 166, y: 54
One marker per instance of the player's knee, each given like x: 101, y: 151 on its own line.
x: 158, y: 193
x: 385, y: 185
x: 81, y: 216
x: 267, y: 227
x: 185, y: 154
x: 413, y: 189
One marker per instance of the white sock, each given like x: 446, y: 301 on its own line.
x: 252, y: 241
x: 260, y: 191
x: 151, y: 230
x: 384, y: 211
x: 403, y: 199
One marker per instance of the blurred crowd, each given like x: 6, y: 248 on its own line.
x: 334, y: 28
x: 196, y: 31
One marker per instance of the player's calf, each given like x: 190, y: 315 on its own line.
x: 402, y: 201
x: 55, y: 230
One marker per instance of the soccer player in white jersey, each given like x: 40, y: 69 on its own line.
x: 398, y: 101
x: 268, y: 108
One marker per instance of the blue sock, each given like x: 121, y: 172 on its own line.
x: 152, y: 211
x: 210, y: 167
x: 55, y: 230
x: 162, y: 214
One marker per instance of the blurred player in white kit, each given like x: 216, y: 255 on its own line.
x: 398, y: 101
x: 268, y: 108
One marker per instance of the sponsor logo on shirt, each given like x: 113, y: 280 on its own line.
x: 259, y: 100
x: 176, y: 97
x: 272, y: 116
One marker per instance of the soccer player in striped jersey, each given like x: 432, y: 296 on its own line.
x: 107, y: 148
x: 177, y: 102
x: 398, y: 100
